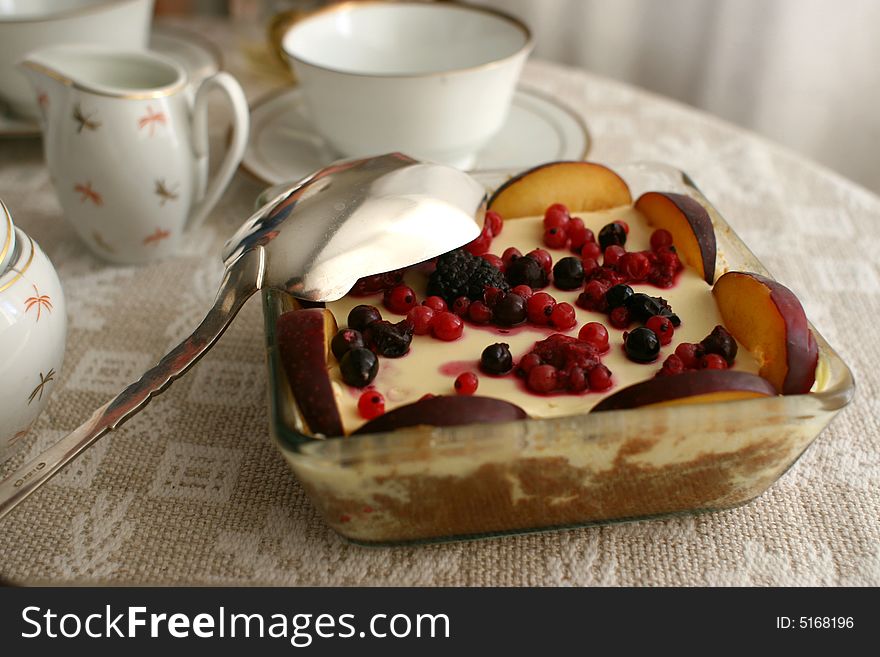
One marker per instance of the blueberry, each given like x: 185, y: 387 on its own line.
x: 617, y: 296
x: 568, y: 273
x: 526, y: 271
x: 642, y: 345
x: 344, y: 341
x: 612, y: 234
x: 362, y: 316
x: 496, y: 359
x: 359, y: 367
x: 511, y: 310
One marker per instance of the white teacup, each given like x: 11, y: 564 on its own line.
x: 126, y: 142
x: 433, y: 80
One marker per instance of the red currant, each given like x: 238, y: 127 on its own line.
x: 447, y: 326
x: 613, y: 254
x: 563, y: 316
x: 492, y: 295
x: 495, y: 223
x: 577, y: 380
x: 437, y: 304
x: 591, y: 250
x: 671, y: 366
x: 619, y: 317
x: 595, y: 334
x: 479, y: 313
x: 371, y: 404
x: 542, y: 378
x: 590, y: 265
x: 460, y: 306
x: 540, y: 307
x: 523, y: 290
x: 556, y: 237
x: 663, y: 327
x: 528, y: 362
x: 713, y: 362
x: 421, y: 317
x: 634, y: 266
x: 400, y: 299
x: 480, y: 245
x: 556, y: 216
x: 689, y: 354
x: 600, y: 378
x: 510, y: 254
x: 493, y: 260
x: 577, y: 233
x: 466, y: 383
x: 543, y: 258
x: 660, y: 238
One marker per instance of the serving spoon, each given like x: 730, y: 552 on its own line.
x: 314, y: 240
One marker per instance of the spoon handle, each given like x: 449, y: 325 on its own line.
x: 243, y: 277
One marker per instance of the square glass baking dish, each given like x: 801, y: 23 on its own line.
x: 425, y: 484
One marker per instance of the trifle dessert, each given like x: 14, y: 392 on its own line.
x: 480, y: 392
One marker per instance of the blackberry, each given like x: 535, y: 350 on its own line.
x: 460, y: 274
x: 387, y: 339
x: 720, y: 342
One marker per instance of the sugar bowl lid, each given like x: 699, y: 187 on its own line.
x: 7, y: 238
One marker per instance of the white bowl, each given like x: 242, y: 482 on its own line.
x: 33, y: 331
x: 27, y: 25
x: 432, y: 80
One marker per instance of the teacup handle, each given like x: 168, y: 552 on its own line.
x: 235, y: 150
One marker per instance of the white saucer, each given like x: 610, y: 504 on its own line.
x: 284, y: 147
x: 196, y: 54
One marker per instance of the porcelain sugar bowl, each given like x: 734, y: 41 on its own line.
x: 33, y: 329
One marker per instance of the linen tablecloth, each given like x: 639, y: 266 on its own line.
x: 192, y: 491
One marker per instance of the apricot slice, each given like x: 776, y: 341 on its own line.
x: 768, y: 320
x: 692, y: 232
x: 580, y: 186
x: 304, y: 346
x: 695, y: 387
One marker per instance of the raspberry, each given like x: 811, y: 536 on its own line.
x: 660, y: 238
x: 493, y: 260
x: 563, y: 316
x: 527, y: 271
x: 436, y: 304
x: 371, y: 404
x: 420, y: 317
x: 466, y: 383
x: 539, y: 308
x: 543, y: 258
x: 510, y: 254
x: 447, y: 326
x: 619, y: 317
x: 599, y: 378
x: 479, y: 313
x: 377, y: 283
x: 577, y: 233
x: 713, y: 362
x: 635, y: 266
x: 556, y: 237
x: 480, y: 245
x: 595, y: 334
x: 542, y: 378
x: 556, y: 216
x: 613, y: 254
x: 690, y: 354
x: 591, y: 250
x: 662, y: 327
x: 495, y: 223
x: 400, y: 299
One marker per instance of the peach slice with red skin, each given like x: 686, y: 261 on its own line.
x: 445, y: 411
x: 695, y: 387
x: 580, y: 186
x: 688, y: 221
x: 768, y: 320
x: 304, y: 346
